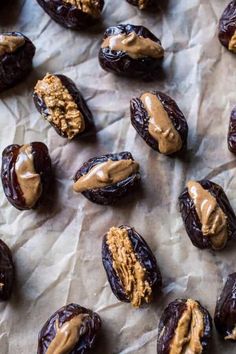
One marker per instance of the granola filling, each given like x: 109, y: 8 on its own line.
x: 9, y: 44
x: 91, y: 7
x: 232, y: 43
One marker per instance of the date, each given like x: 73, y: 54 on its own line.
x: 227, y: 27
x: 7, y: 272
x: 232, y: 132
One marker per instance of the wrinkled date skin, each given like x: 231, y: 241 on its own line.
x: 89, y: 330
x: 169, y: 322
x: 69, y: 15
x: 42, y: 165
x: 227, y: 24
x: 110, y: 194
x: 140, y: 119
x: 191, y: 219
x: 6, y: 272
x: 120, y: 63
x: 225, y: 312
x: 15, y: 66
x: 232, y: 132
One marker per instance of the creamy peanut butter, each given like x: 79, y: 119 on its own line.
x: 128, y: 268
x: 29, y: 181
x: 63, y: 111
x: 66, y: 336
x: 91, y: 7
x: 232, y: 336
x: 232, y: 43
x: 135, y: 46
x: 211, y: 216
x: 160, y: 125
x: 8, y: 44
x: 190, y: 329
x: 106, y: 174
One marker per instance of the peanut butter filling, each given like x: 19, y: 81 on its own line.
x: 232, y: 43
x: 160, y: 126
x: 91, y: 7
x: 29, y: 181
x: 106, y: 174
x: 211, y: 216
x: 8, y: 44
x: 232, y: 336
x: 63, y: 111
x: 127, y: 267
x: 67, y: 336
x: 190, y: 329
x: 135, y: 46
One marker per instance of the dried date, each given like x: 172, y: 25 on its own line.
x: 6, y: 272
x: 232, y: 132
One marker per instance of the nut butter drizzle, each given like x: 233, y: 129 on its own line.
x: 160, y: 126
x: 91, y: 7
x: 127, y: 267
x: 9, y: 44
x: 135, y: 46
x: 29, y: 181
x: 106, y: 174
x: 232, y: 43
x: 211, y: 216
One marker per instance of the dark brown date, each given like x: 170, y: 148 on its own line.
x: 185, y: 326
x: 133, y: 52
x: 217, y: 223
x: 26, y: 174
x: 227, y: 27
x: 159, y: 121
x: 105, y: 179
x: 142, y: 4
x: 73, y: 14
x: 15, y: 59
x: 6, y: 272
x: 72, y: 329
x: 130, y: 266
x: 232, y: 132
x: 225, y: 312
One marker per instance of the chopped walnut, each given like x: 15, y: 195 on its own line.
x: 91, y: 7
x: 9, y: 44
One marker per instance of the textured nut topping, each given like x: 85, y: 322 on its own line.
x: 8, y: 44
x: 29, y: 181
x: 190, y: 329
x: 211, y: 216
x: 135, y: 46
x: 91, y: 7
x: 232, y: 43
x: 142, y: 4
x: 160, y: 125
x: 127, y: 267
x: 63, y: 111
x: 232, y: 336
x: 106, y: 174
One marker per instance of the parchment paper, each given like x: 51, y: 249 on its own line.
x: 57, y: 249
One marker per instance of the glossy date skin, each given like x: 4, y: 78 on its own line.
x: 140, y: 119
x: 144, y: 256
x: 120, y: 63
x: 42, y: 165
x: 110, y: 194
x: 91, y: 328
x: 225, y: 312
x: 192, y: 222
x: 169, y: 322
x: 232, y: 132
x: 227, y: 24
x: 68, y: 15
x: 6, y: 272
x: 14, y: 67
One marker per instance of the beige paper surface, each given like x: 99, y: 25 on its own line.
x: 57, y: 251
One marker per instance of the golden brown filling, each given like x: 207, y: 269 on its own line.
x: 160, y: 125
x: 106, y: 174
x: 211, y: 216
x: 232, y: 43
x: 8, y: 44
x: 190, y: 329
x: 91, y: 7
x: 232, y: 336
x: 135, y: 46
x: 63, y: 111
x: 127, y: 267
x: 29, y: 181
x: 66, y: 336
x: 142, y: 4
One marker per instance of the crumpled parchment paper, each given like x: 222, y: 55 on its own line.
x: 57, y: 249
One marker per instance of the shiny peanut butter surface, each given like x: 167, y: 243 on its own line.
x: 29, y: 181
x: 135, y: 46
x: 160, y: 126
x: 232, y: 43
x: 106, y: 174
x: 8, y: 44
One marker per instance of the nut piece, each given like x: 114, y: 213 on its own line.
x: 159, y: 121
x: 6, y: 272
x: 130, y: 265
x: 57, y: 98
x: 185, y: 327
x: 227, y: 27
x: 225, y: 312
x: 9, y: 44
x: 71, y: 329
x: 207, y: 214
x: 232, y: 132
x: 26, y: 174
x: 107, y: 178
